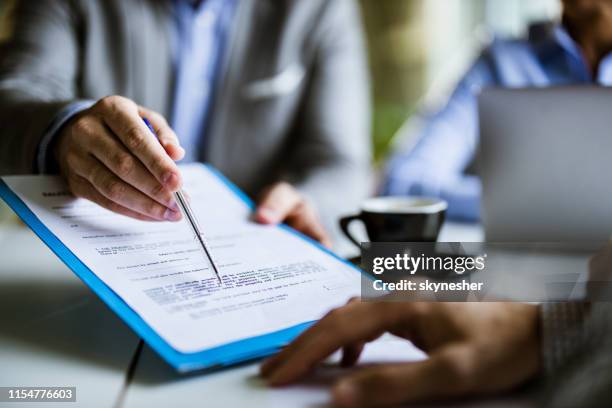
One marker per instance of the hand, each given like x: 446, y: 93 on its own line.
x: 472, y: 347
x: 108, y: 155
x: 283, y: 203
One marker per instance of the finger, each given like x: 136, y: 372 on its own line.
x: 442, y: 375
x: 116, y: 190
x: 351, y: 354
x: 353, y: 300
x: 277, y: 203
x: 305, y: 220
x: 347, y: 325
x: 270, y: 364
x: 123, y: 119
x: 274, y: 363
x: 115, y: 157
x: 164, y: 133
x: 83, y: 188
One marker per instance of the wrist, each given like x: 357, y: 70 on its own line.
x: 48, y: 154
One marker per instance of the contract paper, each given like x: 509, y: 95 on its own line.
x: 272, y: 278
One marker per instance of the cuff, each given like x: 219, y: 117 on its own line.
x: 562, y: 332
x: 44, y: 161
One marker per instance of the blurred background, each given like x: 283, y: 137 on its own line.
x: 418, y: 50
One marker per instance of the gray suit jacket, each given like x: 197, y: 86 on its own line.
x: 292, y: 102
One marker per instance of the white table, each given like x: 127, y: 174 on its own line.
x: 54, y: 331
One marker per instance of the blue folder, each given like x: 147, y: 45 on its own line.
x: 220, y: 356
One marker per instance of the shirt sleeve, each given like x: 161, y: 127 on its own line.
x: 44, y: 158
x: 445, y: 146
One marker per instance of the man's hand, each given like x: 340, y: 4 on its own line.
x: 473, y: 348
x: 283, y: 203
x: 109, y: 156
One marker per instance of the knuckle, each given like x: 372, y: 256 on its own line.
x: 113, y: 189
x: 159, y: 190
x: 134, y: 139
x: 154, y: 209
x: 81, y: 126
x: 337, y: 318
x: 125, y: 164
x: 330, y: 317
x: 108, y: 102
x: 112, y: 102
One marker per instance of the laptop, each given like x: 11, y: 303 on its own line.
x: 546, y: 164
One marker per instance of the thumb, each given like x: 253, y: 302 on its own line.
x: 278, y: 202
x: 433, y: 378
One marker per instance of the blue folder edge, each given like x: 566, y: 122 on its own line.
x: 220, y: 356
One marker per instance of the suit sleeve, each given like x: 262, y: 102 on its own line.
x: 563, y: 332
x: 38, y: 73
x: 333, y: 153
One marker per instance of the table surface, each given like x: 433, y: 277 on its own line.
x: 55, y: 332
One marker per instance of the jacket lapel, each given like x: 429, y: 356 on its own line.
x: 150, y: 60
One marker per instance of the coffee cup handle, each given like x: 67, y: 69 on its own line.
x: 344, y: 226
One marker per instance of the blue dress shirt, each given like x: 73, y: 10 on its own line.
x: 202, y: 29
x: 436, y: 165
x: 200, y: 34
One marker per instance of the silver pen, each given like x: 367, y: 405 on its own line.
x: 188, y: 213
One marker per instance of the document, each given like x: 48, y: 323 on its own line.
x: 273, y: 278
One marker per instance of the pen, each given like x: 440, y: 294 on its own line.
x: 185, y: 208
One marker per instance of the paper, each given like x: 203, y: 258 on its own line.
x: 272, y: 278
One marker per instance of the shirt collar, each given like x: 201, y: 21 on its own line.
x: 567, y: 43
x: 565, y: 40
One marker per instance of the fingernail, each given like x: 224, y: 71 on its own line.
x: 266, y: 214
x: 173, y: 206
x: 172, y: 215
x: 169, y: 179
x: 346, y: 394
